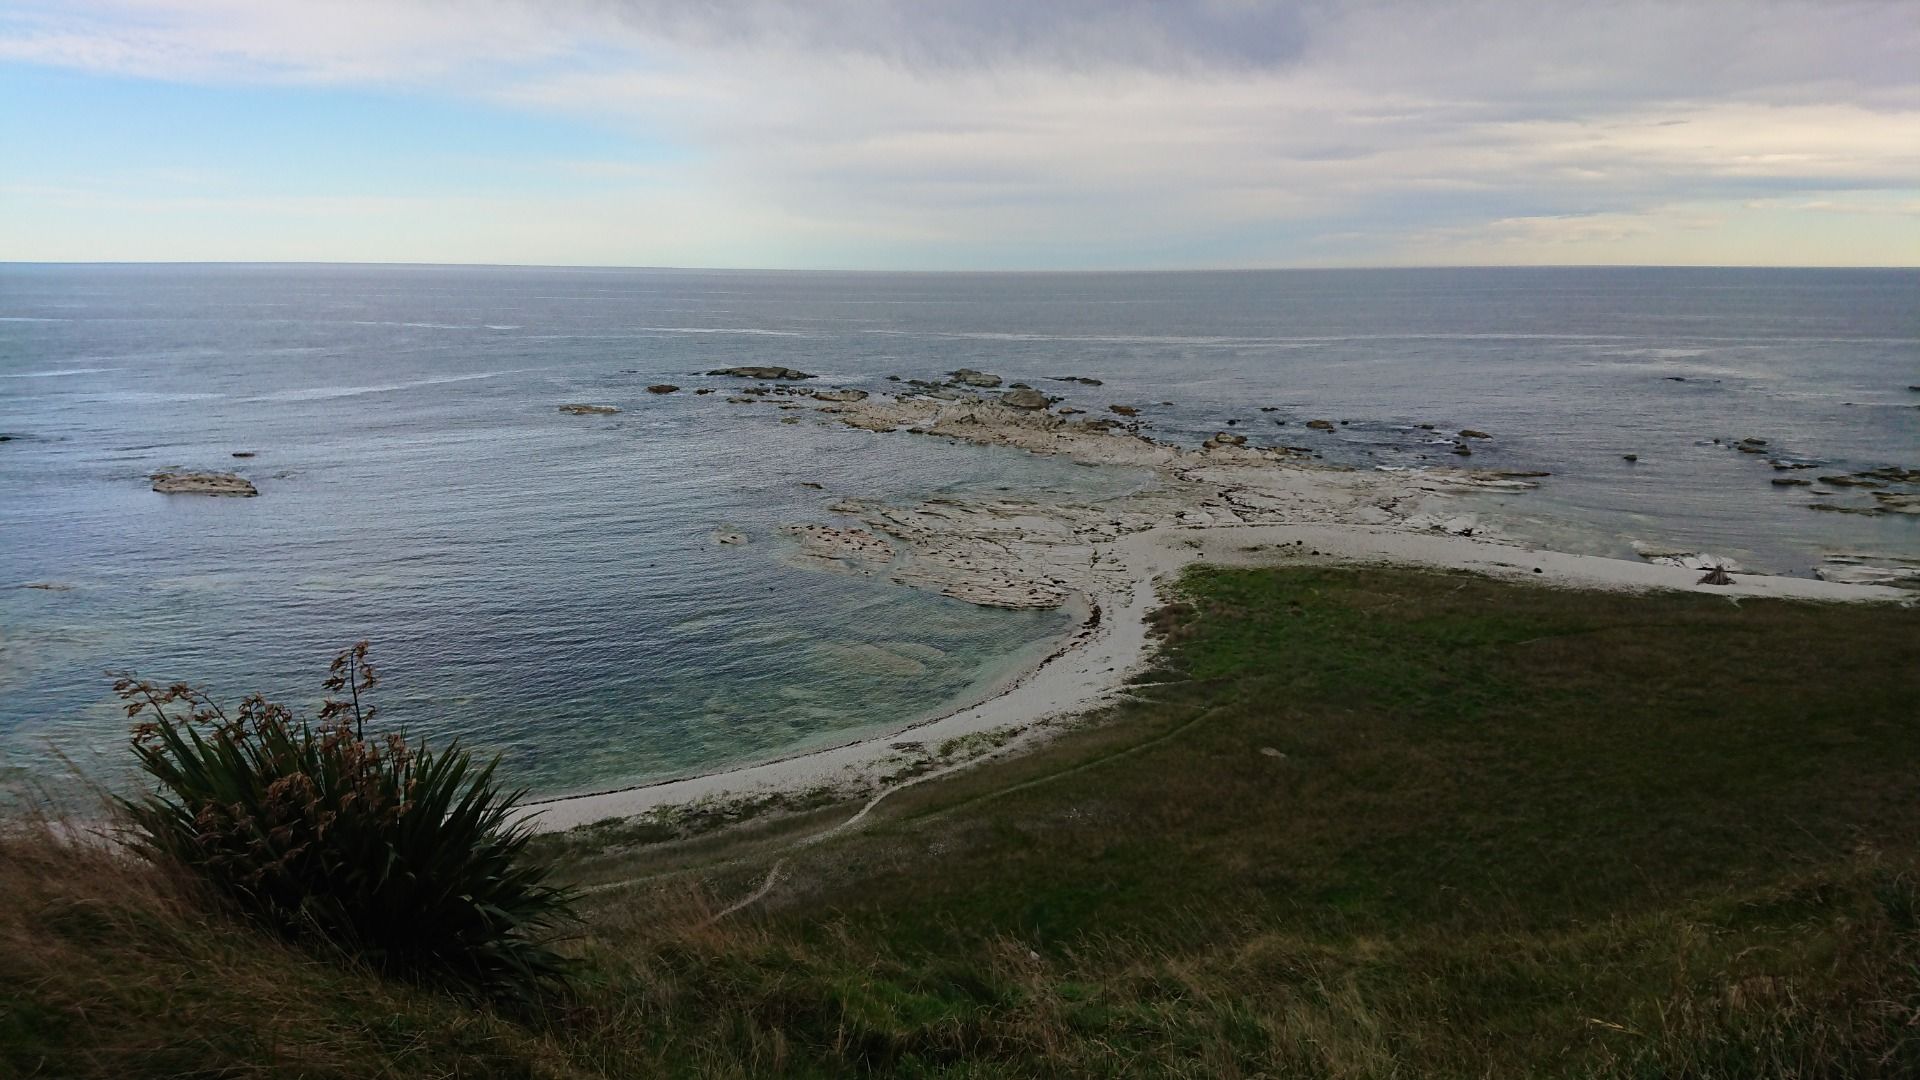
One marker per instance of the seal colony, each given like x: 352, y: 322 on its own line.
x: 1229, y: 501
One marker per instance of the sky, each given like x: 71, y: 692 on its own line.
x: 997, y: 134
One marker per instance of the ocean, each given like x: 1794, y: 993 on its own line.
x: 549, y: 586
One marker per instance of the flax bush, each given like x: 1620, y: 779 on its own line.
x: 408, y: 859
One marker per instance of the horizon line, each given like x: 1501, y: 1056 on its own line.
x: 407, y: 264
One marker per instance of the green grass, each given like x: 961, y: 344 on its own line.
x: 1359, y: 823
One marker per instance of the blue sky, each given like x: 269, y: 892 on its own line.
x: 997, y: 134
x: 75, y: 129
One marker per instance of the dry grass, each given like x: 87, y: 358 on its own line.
x: 111, y: 968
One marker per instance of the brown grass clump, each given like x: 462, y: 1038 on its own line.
x: 111, y: 967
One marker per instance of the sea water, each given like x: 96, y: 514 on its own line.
x: 551, y: 587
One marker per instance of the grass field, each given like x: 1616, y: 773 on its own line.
x: 1357, y: 823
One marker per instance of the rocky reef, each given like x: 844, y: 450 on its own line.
x: 183, y: 482
x: 1034, y: 553
x: 772, y: 373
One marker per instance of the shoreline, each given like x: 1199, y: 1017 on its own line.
x: 1094, y: 664
x: 1228, y: 502
x: 1005, y: 674
x: 1074, y: 675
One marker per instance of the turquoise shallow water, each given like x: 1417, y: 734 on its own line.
x: 548, y: 585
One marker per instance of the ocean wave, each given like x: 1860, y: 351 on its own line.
x: 144, y: 397
x: 1658, y: 353
x: 430, y: 325
x: 755, y: 331
x: 1118, y: 339
x: 1302, y: 341
x: 56, y: 373
x: 321, y: 393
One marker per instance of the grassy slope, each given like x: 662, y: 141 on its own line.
x: 1363, y: 823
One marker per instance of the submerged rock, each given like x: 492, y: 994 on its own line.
x: 773, y: 372
x: 855, y: 547
x: 203, y: 483
x: 588, y: 410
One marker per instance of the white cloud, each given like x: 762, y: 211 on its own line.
x: 874, y: 131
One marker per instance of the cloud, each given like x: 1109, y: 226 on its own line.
x: 924, y: 132
x: 402, y: 42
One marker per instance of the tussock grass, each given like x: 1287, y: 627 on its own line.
x: 1360, y: 823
